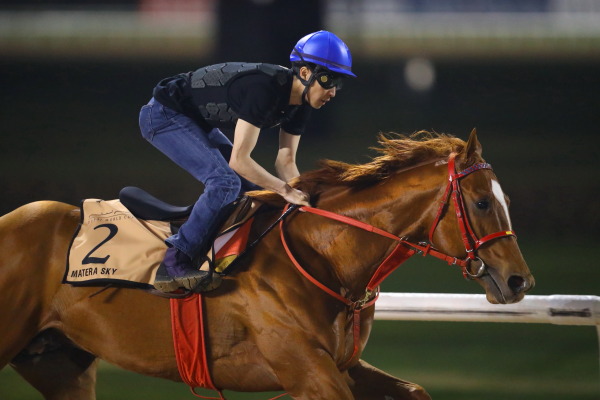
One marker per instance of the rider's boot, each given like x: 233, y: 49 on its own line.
x: 177, y: 271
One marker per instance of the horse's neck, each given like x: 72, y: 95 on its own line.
x: 347, y: 257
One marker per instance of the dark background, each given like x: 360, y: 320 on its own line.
x: 69, y: 130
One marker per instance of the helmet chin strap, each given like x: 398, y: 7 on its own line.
x: 305, y: 92
x: 306, y: 83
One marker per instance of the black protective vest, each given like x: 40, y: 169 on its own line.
x: 211, y: 83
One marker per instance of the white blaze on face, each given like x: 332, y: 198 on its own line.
x: 502, y: 200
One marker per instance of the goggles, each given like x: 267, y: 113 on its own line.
x: 329, y: 80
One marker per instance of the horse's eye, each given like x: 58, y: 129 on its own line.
x: 483, y: 204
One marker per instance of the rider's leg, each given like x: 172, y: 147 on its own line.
x: 182, y: 140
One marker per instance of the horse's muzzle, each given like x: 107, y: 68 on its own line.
x: 519, y: 284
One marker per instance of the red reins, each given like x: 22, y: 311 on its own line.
x: 404, y: 249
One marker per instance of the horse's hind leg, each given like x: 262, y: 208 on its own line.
x: 57, y: 369
x: 60, y: 375
x: 370, y: 383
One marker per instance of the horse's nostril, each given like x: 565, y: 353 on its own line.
x: 517, y: 284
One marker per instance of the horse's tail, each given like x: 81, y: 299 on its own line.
x: 33, y: 246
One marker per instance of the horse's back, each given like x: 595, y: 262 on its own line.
x: 33, y: 243
x: 33, y: 237
x: 39, y: 212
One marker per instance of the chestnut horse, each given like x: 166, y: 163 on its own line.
x: 268, y: 326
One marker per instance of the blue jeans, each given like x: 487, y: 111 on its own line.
x: 199, y: 153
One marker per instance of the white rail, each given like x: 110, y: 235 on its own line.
x: 554, y: 309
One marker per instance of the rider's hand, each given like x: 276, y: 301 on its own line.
x: 295, y: 196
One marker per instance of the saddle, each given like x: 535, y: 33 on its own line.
x: 122, y: 242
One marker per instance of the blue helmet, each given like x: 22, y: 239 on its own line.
x: 325, y: 49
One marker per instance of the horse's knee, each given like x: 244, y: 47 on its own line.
x: 395, y: 392
x: 370, y: 383
x: 417, y: 392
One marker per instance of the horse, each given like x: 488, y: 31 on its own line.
x: 270, y: 327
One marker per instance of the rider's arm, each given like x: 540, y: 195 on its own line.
x: 285, y: 164
x: 246, y: 136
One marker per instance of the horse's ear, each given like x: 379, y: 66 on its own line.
x: 473, y: 148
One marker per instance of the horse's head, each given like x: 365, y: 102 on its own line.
x: 476, y: 227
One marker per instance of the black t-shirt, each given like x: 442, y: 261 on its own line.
x: 218, y: 95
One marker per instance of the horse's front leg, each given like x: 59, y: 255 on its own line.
x: 370, y: 383
x: 305, y: 372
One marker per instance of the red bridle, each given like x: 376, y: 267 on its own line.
x: 469, y: 238
x: 453, y: 190
x: 405, y: 249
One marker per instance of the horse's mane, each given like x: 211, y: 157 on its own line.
x: 395, y: 152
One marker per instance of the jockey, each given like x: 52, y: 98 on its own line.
x: 184, y: 117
